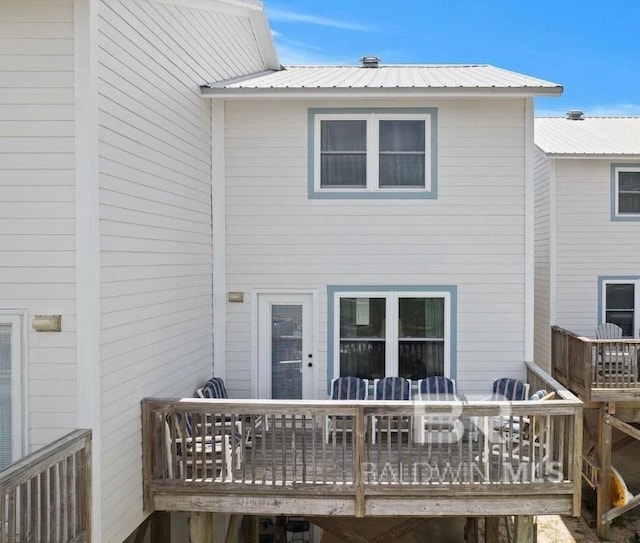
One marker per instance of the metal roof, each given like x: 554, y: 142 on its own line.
x: 593, y: 136
x: 392, y: 79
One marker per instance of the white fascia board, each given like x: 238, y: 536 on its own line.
x: 264, y: 37
x: 231, y: 7
x: 529, y: 234
x: 592, y: 156
x: 308, y: 93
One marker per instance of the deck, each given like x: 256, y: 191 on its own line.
x: 278, y: 458
x: 597, y: 370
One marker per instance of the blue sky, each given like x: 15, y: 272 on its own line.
x: 591, y: 48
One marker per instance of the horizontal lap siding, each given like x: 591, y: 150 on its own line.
x: 155, y: 218
x: 37, y: 210
x: 589, y: 244
x: 542, y: 331
x: 471, y: 236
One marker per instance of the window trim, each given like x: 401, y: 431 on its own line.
x: 15, y: 319
x: 373, y: 116
x: 603, y: 281
x: 391, y: 292
x: 615, y: 182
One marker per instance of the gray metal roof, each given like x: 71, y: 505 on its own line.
x: 409, y: 79
x: 593, y: 136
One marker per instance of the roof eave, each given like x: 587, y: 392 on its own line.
x: 588, y: 156
x: 381, y: 92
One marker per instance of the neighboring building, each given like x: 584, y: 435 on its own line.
x: 388, y: 211
x: 105, y: 218
x: 587, y: 225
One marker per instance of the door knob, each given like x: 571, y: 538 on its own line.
x: 310, y: 364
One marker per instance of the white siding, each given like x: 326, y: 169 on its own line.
x: 156, y: 239
x: 589, y: 244
x: 542, y: 333
x: 472, y: 236
x: 37, y: 214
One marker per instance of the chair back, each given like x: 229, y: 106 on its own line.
x: 214, y: 388
x: 509, y: 389
x: 349, y: 388
x: 392, y: 388
x: 435, y: 387
x: 608, y: 330
x: 538, y: 395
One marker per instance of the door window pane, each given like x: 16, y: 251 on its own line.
x: 619, y: 308
x: 286, y: 352
x: 420, y: 337
x: 6, y: 411
x: 362, y: 337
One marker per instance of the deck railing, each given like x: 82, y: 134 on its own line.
x: 197, y: 449
x: 597, y: 369
x: 46, y: 495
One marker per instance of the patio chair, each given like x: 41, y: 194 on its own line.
x: 529, y: 437
x: 215, y: 388
x: 608, y: 330
x: 345, y: 388
x: 503, y: 389
x: 614, y: 360
x: 391, y: 388
x: 438, y: 428
x: 207, y: 455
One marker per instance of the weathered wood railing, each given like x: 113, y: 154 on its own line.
x: 596, y: 369
x: 46, y: 495
x: 518, y: 451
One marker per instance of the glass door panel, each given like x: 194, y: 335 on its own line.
x: 286, y: 352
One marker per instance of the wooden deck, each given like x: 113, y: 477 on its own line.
x: 597, y: 370
x: 46, y: 495
x: 294, y: 467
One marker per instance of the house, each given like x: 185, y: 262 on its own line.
x: 390, y: 208
x: 587, y: 213
x: 171, y: 196
x: 587, y: 179
x: 105, y: 191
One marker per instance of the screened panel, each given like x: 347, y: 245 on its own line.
x: 364, y: 359
x: 629, y: 192
x: 420, y: 337
x: 343, y: 171
x: 286, y: 352
x: 620, y: 305
x: 362, y: 337
x: 420, y: 359
x: 402, y: 154
x: 343, y: 136
x: 6, y: 411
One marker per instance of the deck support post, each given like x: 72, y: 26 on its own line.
x: 471, y: 530
x: 603, y: 492
x: 201, y: 527
x: 160, y: 527
x: 491, y: 530
x: 525, y: 531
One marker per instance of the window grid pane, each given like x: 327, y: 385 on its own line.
x: 620, y: 306
x: 629, y: 192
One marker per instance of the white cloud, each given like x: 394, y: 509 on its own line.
x: 282, y: 15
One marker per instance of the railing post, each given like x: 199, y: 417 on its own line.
x: 358, y: 458
x: 578, y: 420
x: 148, y: 446
x: 603, y: 494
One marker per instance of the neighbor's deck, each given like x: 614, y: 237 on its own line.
x: 291, y: 469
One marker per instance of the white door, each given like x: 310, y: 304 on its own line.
x: 11, y: 445
x: 285, y: 346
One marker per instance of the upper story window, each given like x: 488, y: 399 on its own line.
x: 379, y: 153
x: 626, y: 192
